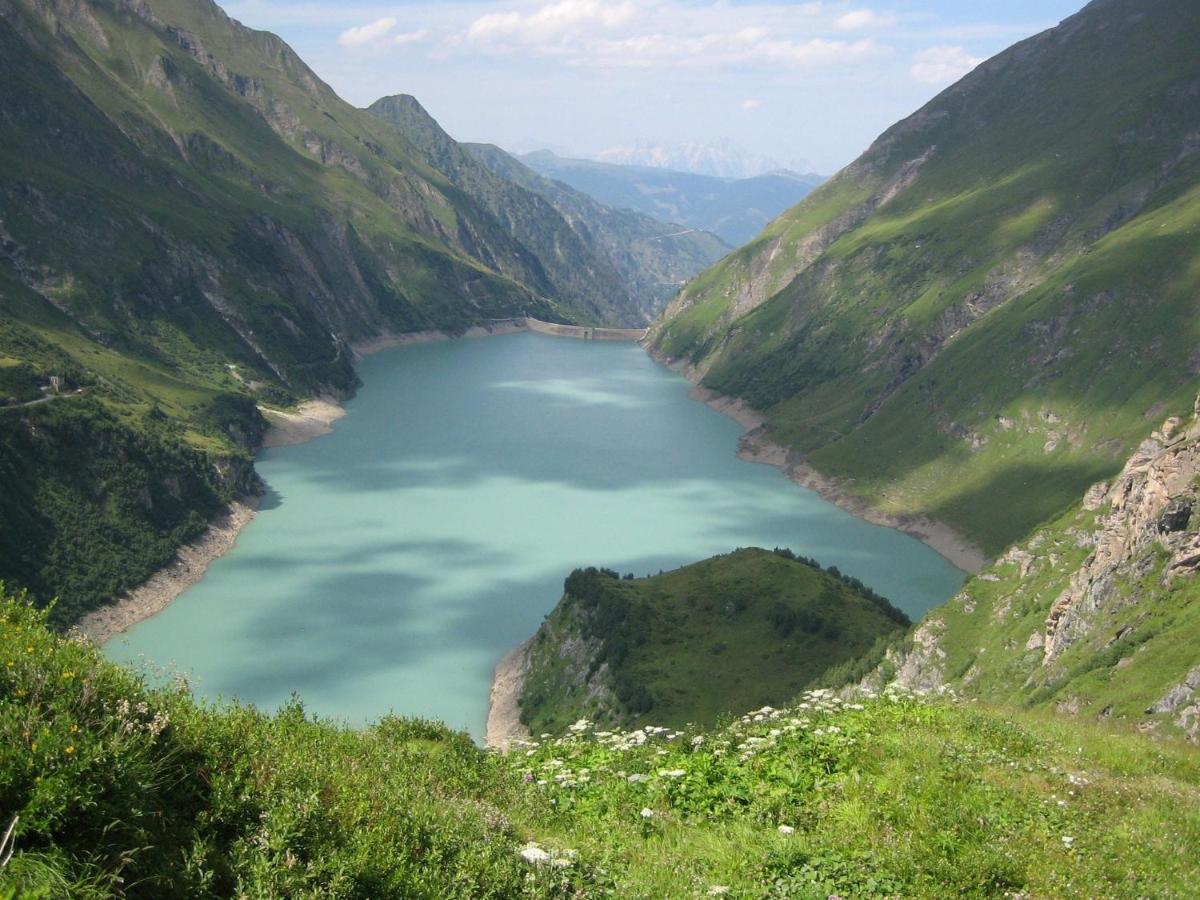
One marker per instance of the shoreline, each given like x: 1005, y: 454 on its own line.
x: 311, y: 419
x: 389, y: 340
x: 188, y: 567
x: 755, y: 447
x: 504, y: 711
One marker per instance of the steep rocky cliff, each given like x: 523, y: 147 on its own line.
x: 1096, y: 614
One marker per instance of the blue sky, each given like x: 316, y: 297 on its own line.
x: 805, y: 84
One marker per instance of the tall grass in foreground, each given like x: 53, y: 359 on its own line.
x: 123, y: 790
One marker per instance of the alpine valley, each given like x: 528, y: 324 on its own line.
x: 982, y: 332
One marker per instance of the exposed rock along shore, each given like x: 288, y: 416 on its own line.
x: 499, y: 326
x: 755, y: 446
x: 504, y: 714
x: 188, y: 567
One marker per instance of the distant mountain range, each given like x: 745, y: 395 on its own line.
x: 615, y: 260
x: 735, y: 209
x: 722, y: 158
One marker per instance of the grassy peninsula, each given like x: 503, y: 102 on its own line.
x: 707, y: 640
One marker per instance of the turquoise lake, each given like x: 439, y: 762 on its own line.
x: 396, y: 560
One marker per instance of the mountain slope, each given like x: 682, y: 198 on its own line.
x: 703, y: 641
x: 1096, y: 614
x: 654, y: 257
x: 992, y: 306
x: 735, y: 209
x: 570, y: 264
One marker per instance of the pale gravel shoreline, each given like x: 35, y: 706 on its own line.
x: 754, y: 446
x: 388, y: 341
x: 504, y: 710
x: 311, y: 419
x: 156, y: 593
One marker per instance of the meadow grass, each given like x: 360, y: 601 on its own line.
x: 124, y: 790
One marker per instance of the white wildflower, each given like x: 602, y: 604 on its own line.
x: 534, y: 855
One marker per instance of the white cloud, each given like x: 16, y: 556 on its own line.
x: 619, y: 34
x: 411, y: 37
x: 552, y: 21
x: 367, y: 34
x: 751, y: 103
x: 748, y: 46
x: 858, y: 19
x: 941, y: 65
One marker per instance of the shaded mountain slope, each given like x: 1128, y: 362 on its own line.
x: 990, y: 308
x: 192, y: 224
x: 570, y: 265
x: 654, y: 257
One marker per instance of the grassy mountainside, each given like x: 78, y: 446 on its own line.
x: 599, y: 256
x: 736, y: 209
x: 992, y: 306
x: 653, y: 256
x: 709, y: 639
x: 122, y: 791
x: 1096, y: 615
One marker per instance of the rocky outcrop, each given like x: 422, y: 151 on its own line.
x: 1092, y: 614
x: 1149, y: 504
x: 919, y: 668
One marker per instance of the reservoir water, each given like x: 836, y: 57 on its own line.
x: 396, y: 560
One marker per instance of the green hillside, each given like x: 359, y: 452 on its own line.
x: 992, y: 306
x: 1096, y: 615
x: 727, y: 634
x: 115, y: 790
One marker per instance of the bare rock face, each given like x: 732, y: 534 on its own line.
x: 1149, y: 503
x: 920, y: 669
x: 1184, y: 700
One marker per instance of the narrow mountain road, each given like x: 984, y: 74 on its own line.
x: 40, y: 400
